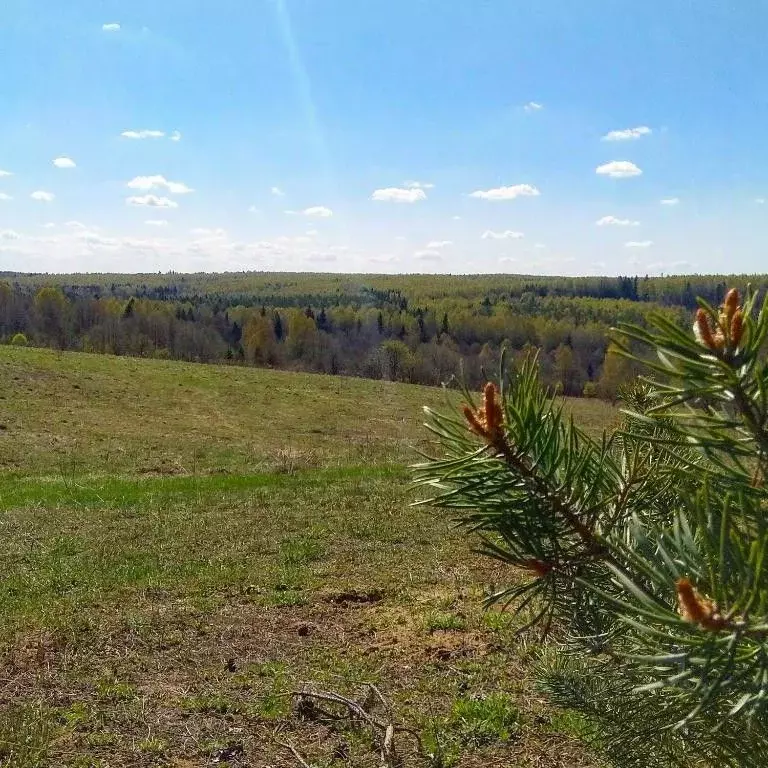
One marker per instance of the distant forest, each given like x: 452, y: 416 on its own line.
x: 415, y: 328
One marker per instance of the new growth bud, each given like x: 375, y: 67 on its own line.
x: 488, y: 421
x: 696, y: 609
x: 729, y: 328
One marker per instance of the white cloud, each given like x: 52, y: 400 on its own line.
x: 253, y: 209
x: 145, y: 183
x: 399, y: 195
x: 507, y: 259
x: 113, y: 27
x: 49, y: 225
x: 10, y: 234
x: 533, y: 106
x: 277, y: 192
x: 386, y: 258
x: 157, y: 222
x: 507, y: 234
x: 5, y: 173
x: 639, y: 244
x: 152, y: 201
x: 42, y: 196
x: 175, y: 136
x: 311, y: 232
x: 418, y: 185
x: 760, y: 200
x: 427, y: 255
x: 95, y: 239
x: 670, y: 201
x: 456, y: 218
x: 321, y: 257
x: 506, y: 193
x: 618, y: 169
x: 628, y: 134
x: 5, y: 196
x: 64, y: 162
x: 612, y: 221
x: 205, y: 232
x: 318, y: 212
x: 76, y: 225
x: 144, y: 134
x: 437, y: 244
x: 539, y: 246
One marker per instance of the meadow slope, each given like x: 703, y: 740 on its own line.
x: 183, y: 546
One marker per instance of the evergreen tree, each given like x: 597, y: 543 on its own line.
x: 644, y: 555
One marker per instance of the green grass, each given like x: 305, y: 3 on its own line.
x: 182, y: 546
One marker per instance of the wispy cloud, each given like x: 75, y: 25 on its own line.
x: 42, y: 196
x: 113, y: 27
x: 506, y: 193
x: 145, y: 183
x: 639, y: 244
x: 418, y: 185
x: 175, y: 136
x: 670, y: 201
x: 157, y: 222
x: 507, y: 260
x: 437, y: 244
x: 151, y: 201
x: 5, y: 173
x: 628, y: 134
x: 277, y: 192
x: 613, y: 221
x: 533, y: 106
x: 427, y: 255
x: 618, y: 169
x: 318, y: 212
x: 399, y: 195
x: 10, y: 234
x: 760, y: 200
x: 64, y: 162
x: 143, y: 134
x: 507, y: 234
x: 5, y: 196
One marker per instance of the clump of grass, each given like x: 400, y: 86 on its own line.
x: 481, y: 721
x: 27, y: 732
x: 446, y: 622
x: 301, y: 550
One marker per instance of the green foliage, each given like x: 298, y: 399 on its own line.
x: 646, y: 551
x: 415, y: 328
x: 19, y: 340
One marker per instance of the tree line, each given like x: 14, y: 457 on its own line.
x: 415, y: 328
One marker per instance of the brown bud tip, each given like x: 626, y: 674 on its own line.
x: 732, y: 301
x: 702, y: 330
x: 473, y: 421
x: 491, y: 407
x: 737, y: 328
x: 696, y: 609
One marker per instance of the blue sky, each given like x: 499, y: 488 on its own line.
x: 384, y: 136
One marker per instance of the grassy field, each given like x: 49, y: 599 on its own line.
x: 183, y: 546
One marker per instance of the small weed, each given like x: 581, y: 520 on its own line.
x: 273, y: 705
x: 101, y: 739
x: 153, y: 746
x: 485, y: 720
x: 301, y: 550
x: 447, y: 622
x: 211, y: 704
x: 77, y: 715
x: 108, y: 688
